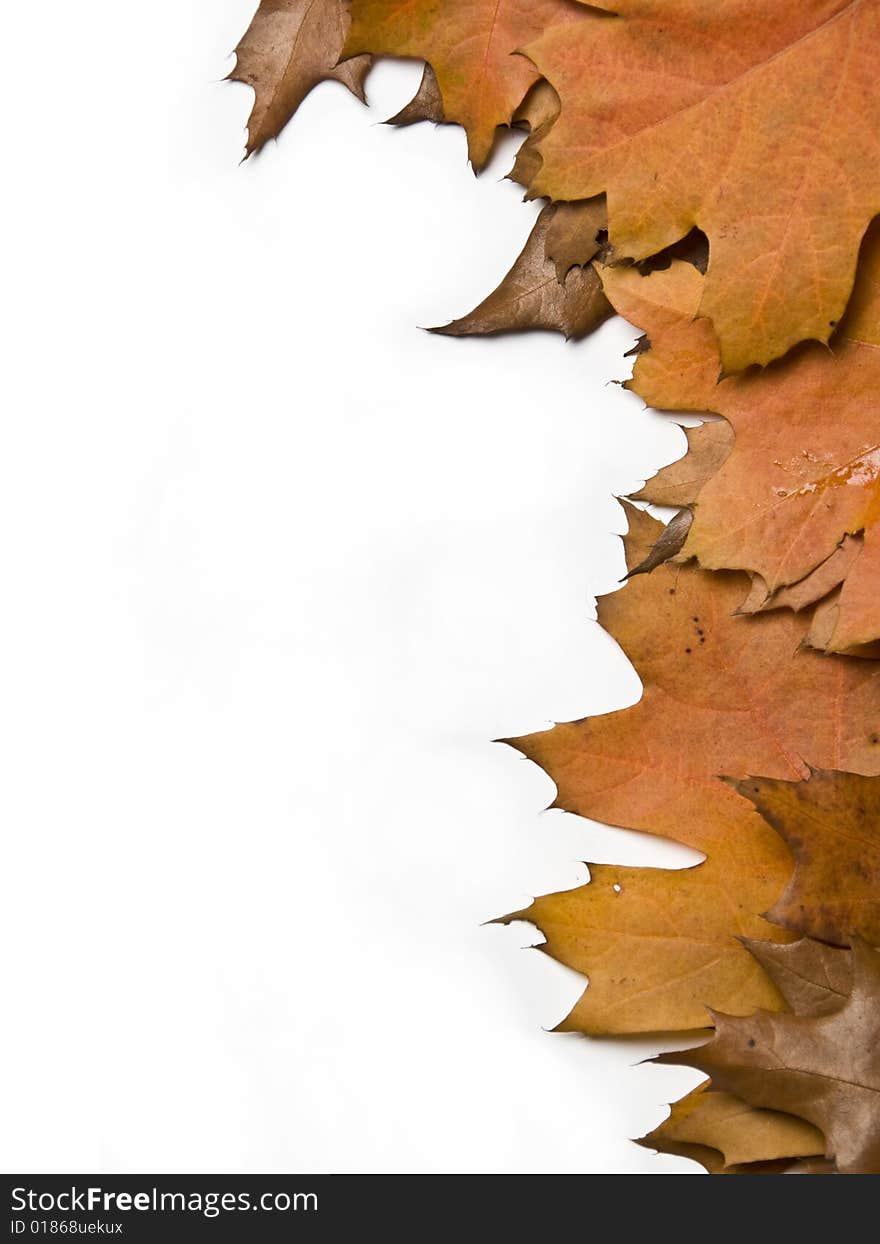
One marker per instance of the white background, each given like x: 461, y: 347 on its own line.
x: 276, y: 567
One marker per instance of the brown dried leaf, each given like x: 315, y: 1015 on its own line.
x: 426, y: 104
x: 531, y: 296
x: 741, y: 1134
x: 831, y: 822
x: 824, y: 1069
x: 679, y: 483
x: 669, y: 543
x: 813, y: 978
x: 573, y: 238
x: 289, y: 47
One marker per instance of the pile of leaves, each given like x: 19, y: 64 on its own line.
x: 711, y: 172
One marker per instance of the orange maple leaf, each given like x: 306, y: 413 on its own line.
x: 472, y: 47
x: 803, y: 471
x: 758, y: 124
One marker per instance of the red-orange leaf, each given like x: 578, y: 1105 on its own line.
x: 825, y: 1068
x: 533, y: 295
x: 758, y: 124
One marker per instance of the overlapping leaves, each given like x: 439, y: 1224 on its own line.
x: 779, y: 497
x: 654, y: 128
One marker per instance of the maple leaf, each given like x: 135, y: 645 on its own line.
x: 721, y: 695
x: 795, y: 483
x: 653, y: 128
x: 724, y: 1133
x: 760, y: 126
x: 668, y: 544
x: 831, y: 823
x: 536, y: 113
x: 575, y: 234
x: 425, y: 105
x: 812, y: 588
x: 708, y: 446
x: 849, y: 621
x: 289, y: 47
x: 660, y: 946
x: 707, y: 1120
x: 533, y: 295
x: 823, y: 1068
x: 741, y: 697
x: 472, y: 48
x: 812, y: 977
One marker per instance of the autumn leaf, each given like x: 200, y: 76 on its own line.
x: 426, y: 104
x: 533, y: 296
x: 824, y: 1069
x: 812, y: 977
x: 713, y: 172
x: 795, y: 482
x: 289, y: 47
x: 760, y: 126
x: 724, y: 1133
x: 721, y: 695
x: 668, y: 544
x: 827, y: 576
x: 575, y: 234
x: 831, y: 823
x: 680, y: 483
x: 660, y: 946
x: 536, y: 113
x: 742, y: 698
x: 850, y: 620
x: 810, y: 1166
x: 472, y: 47
x: 739, y: 1133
